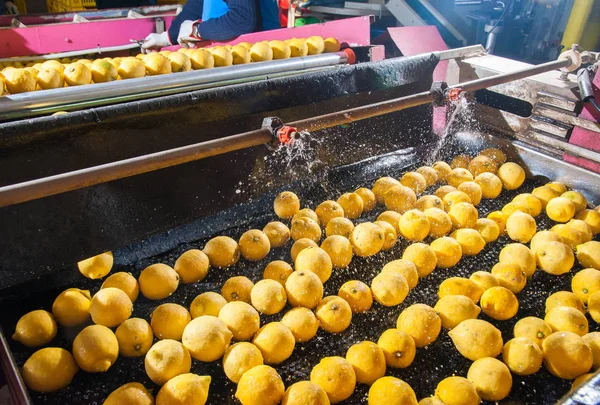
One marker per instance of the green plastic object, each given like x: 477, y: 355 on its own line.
x: 306, y: 21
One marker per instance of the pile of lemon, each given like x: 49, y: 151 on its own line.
x: 52, y: 74
x: 176, y: 336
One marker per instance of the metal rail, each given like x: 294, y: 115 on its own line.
x: 61, y: 183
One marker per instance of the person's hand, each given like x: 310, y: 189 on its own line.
x: 11, y: 8
x: 154, y: 41
x: 188, y: 34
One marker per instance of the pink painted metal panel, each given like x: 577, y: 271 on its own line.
x: 377, y: 53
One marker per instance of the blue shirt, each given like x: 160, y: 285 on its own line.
x: 244, y: 16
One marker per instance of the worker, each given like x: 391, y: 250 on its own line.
x: 216, y: 20
x: 8, y: 7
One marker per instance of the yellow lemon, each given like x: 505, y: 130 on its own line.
x: 519, y: 255
x: 50, y: 79
x: 470, y: 241
x: 103, y: 71
x: 125, y: 282
x: 458, y: 175
x: 422, y: 256
x: 278, y: 233
x: 582, y: 227
x: 389, y: 288
x: 522, y: 356
x: 240, y: 358
x: 512, y: 175
x: 463, y: 215
x: 192, y: 266
x: 302, y: 323
x: 569, y: 235
x: 414, y: 225
x: 545, y: 194
x: 166, y: 359
x: 237, y: 288
x: 472, y: 190
x: 392, y: 218
x: 499, y: 303
x: 490, y: 184
x: 367, y: 197
x: 222, y: 56
x: 334, y: 313
x: 381, y: 187
x: 131, y: 393
x: 336, y: 376
x: 482, y: 164
x: 158, y: 281
x: 328, y: 210
x: 368, y: 361
x: 460, y: 161
x: 222, y: 252
x: 476, y: 339
x: 484, y: 280
x: 280, y: 49
x: 593, y: 341
x: 495, y: 154
x: 275, y: 341
x: 431, y: 401
x: 206, y: 338
x: 240, y: 54
x: 585, y: 283
x: 201, y: 59
x: 352, y: 204
x: 421, y: 322
x: 564, y: 299
x: 521, y: 227
x: 557, y: 186
x: 246, y: 45
x: 440, y: 223
x: 530, y: 202
x: 241, y: 318
x: 510, y: 276
x: 19, y: 81
x: 331, y: 45
x: 567, y: 319
x: 398, y: 348
x: 95, y: 349
x: 261, y: 385
x: 305, y: 228
x: 460, y: 286
x: 110, y: 307
x: 304, y: 289
x: 543, y: 236
x: 278, y: 270
x: 429, y: 173
x: 97, y: 266
x: 254, y: 245
x: 491, y: 378
x: 53, y: 64
x: 500, y: 219
x: 268, y: 297
x: 567, y: 355
x: 156, y: 64
x: 180, y: 389
x: 415, y: 181
x: 315, y: 44
x: 592, y: 218
x: 588, y: 254
x: 315, y: 260
x: 305, y: 392
x: 429, y: 201
x: 49, y: 370
x: 406, y: 268
x: 560, y: 209
x: 298, y: 47
x: 357, y: 294
x: 457, y: 391
x: 72, y: 307
x: 339, y: 250
x: 532, y: 328
x: 488, y: 229
x: 131, y: 68
x: 442, y: 169
x: 169, y: 320
x: 447, y: 250
x: 400, y: 199
x: 208, y: 303
x: 261, y: 52
x: 35, y: 328
x: 580, y: 380
x: 391, y: 391
x: 578, y: 199
x: 453, y: 309
x: 135, y: 337
x: 455, y: 197
x: 367, y: 239
x: 555, y: 257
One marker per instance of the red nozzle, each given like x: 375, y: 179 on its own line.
x: 351, y: 56
x: 285, y: 134
x: 454, y: 94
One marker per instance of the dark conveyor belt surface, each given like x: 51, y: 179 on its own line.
x: 432, y: 363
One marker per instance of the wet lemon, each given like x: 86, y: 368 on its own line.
x: 448, y: 252
x: 334, y: 313
x: 585, y: 283
x: 339, y: 250
x: 357, y: 294
x: 131, y: 68
x: 277, y: 232
x: 240, y: 358
x: 532, y: 328
x: 593, y: 341
x: 35, y: 328
x: 280, y: 49
x: 49, y: 370
x: 414, y: 225
x: 461, y: 161
x: 304, y: 289
x: 583, y: 228
x: 222, y: 56
x: 19, y: 81
x: 463, y: 215
x: 453, y: 309
x: 593, y: 306
x: 367, y: 239
x: 567, y: 355
x: 405, y: 268
x: 488, y: 229
x: 500, y: 219
x: 521, y: 227
x: 275, y: 341
x: 491, y: 378
x: 570, y: 236
x: 368, y: 198
x: 158, y: 281
x: 305, y: 228
x: 192, y: 266
x: 519, y: 255
x: 588, y: 254
x: 97, y: 266
x: 95, y: 349
x: 237, y: 288
x: 131, y: 393
x: 429, y: 201
x: 560, y: 209
x: 530, y: 203
x: 315, y: 260
x: 398, y: 348
x: 268, y: 297
x: 166, y: 359
x: 389, y: 234
x: 457, y: 391
x: 510, y: 276
x: 495, y: 154
x: 336, y: 376
x: 389, y: 288
x: 470, y: 241
x: 54, y: 64
x: 564, y: 299
x: 392, y: 218
x: 472, y: 190
x: 512, y: 175
x: 261, y: 385
x: 440, y: 223
x: 49, y: 79
x: 156, y: 64
x: 592, y: 218
x: 431, y: 401
x: 278, y: 270
x: 484, y: 280
x: 415, y: 181
x: 442, y: 191
x: 305, y: 392
x: 352, y: 204
x: 459, y: 175
x: 178, y: 390
x: 307, y: 213
x: 543, y: 236
x: 241, y: 319
x: 555, y: 257
x: 135, y: 337
x: 103, y: 71
x: 567, y: 319
x: 455, y: 197
x: 422, y: 256
x: 490, y: 184
x: 125, y: 282
x: 240, y: 55
x: 400, y: 199
x: 578, y: 199
x: 201, y: 59
x: 71, y: 307
x: 499, y: 303
x: 254, y: 245
x: 557, y: 186
x: 545, y: 194
x: 222, y: 251
x: 110, y: 307
x: 77, y: 74
x: 522, y: 356
x: 476, y: 339
x: 328, y: 210
x: 391, y: 391
x: 421, y: 322
x: 302, y: 322
x: 208, y: 303
x: 442, y: 169
x: 580, y: 380
x: 332, y: 45
x: 169, y: 320
x: 339, y: 226
x: 315, y: 44
x: 382, y: 185
x: 460, y: 286
x: 207, y: 337
x: 368, y: 361
x: 429, y: 173
x: 482, y: 164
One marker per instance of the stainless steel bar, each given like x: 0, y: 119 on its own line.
x: 460, y: 52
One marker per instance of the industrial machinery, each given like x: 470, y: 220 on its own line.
x: 149, y: 177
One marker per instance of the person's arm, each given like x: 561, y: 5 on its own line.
x: 240, y: 19
x: 10, y: 7
x: 191, y: 11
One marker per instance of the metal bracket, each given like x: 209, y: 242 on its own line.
x: 280, y: 132
x: 438, y: 91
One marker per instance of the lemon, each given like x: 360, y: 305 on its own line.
x: 391, y: 391
x: 71, y: 307
x: 457, y: 391
x: 352, y: 204
x: 240, y: 55
x: 275, y: 341
x: 476, y: 339
x: 398, y: 348
x: 166, y: 359
x: 389, y: 288
x: 530, y: 202
x: 367, y: 239
x: 308, y: 213
x: 339, y: 250
x: 521, y: 227
x: 510, y: 276
x: 268, y: 297
x: 500, y: 219
x: 431, y: 401
x: 580, y: 380
x: 261, y: 52
x: 48, y: 79
x: 429, y: 201
x: 593, y: 341
x: 482, y: 164
x: 583, y: 228
x: 331, y: 45
x: 182, y: 389
x: 585, y: 283
x: 495, y: 154
x: 414, y: 225
x: 35, y: 329
x: 304, y: 227
x: 455, y: 197
x: 135, y: 337
x: 593, y: 306
x: 440, y: 223
x: 222, y: 252
x: 305, y: 392
x: 336, y: 376
x: 472, y: 190
x: 334, y: 313
x: 95, y: 349
x: 453, y: 309
x: 222, y: 56
x: 567, y: 355
x: 53, y: 64
x: 429, y: 173
x: 564, y: 299
x: 131, y: 68
x: 357, y: 294
x: 49, y: 369
x: 569, y: 235
x: 421, y: 322
x: 392, y: 218
x: 304, y: 289
x: 499, y: 303
x: 156, y: 64
x: 463, y: 215
x: 555, y: 257
x: 588, y: 254
x: 315, y: 44
x: 201, y: 59
x: 532, y: 328
x: 491, y: 378
x: 110, y: 307
x: 578, y: 199
x: 460, y: 161
x: 368, y: 198
x: 443, y: 169
x: 422, y: 256
x: 488, y: 229
x: 254, y: 245
x: 169, y: 320
x: 278, y: 233
x: 97, y: 266
x: 278, y: 270
x: 328, y: 210
x: 458, y: 175
x: 103, y: 71
x: 470, y: 241
x: 132, y: 393
x: 368, y: 362
x: 400, y: 199
x: 484, y: 280
x: 560, y: 209
x: 567, y: 319
x: 443, y: 191
x: 592, y: 218
x: 261, y: 385
x: 246, y: 45
x: 302, y: 322
x: 19, y: 81
x: 381, y: 187
x: 207, y: 337
x: 545, y: 194
x: 315, y: 260
x: 240, y: 358
x: 415, y: 181
x: 237, y: 288
x: 519, y: 255
x: 192, y: 266
x: 158, y: 281
x: 522, y: 356
x: 125, y: 282
x: 490, y: 184
x: 447, y: 250
x: 512, y: 175
x: 208, y: 303
x: 460, y: 286
x: 241, y: 318
x: 543, y: 236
